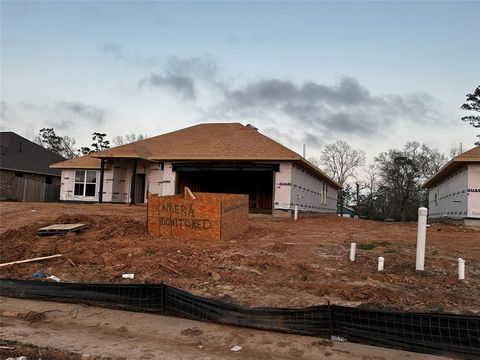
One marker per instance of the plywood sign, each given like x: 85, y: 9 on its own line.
x: 206, y: 216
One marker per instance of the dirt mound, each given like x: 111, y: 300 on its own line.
x: 277, y: 262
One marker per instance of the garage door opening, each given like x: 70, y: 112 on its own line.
x: 256, y: 182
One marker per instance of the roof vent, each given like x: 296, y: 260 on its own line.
x: 251, y: 127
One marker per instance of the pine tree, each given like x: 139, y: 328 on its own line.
x: 473, y: 104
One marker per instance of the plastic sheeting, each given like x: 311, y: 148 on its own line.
x: 423, y: 332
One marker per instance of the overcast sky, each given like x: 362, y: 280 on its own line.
x: 377, y: 74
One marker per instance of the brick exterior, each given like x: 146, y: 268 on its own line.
x: 208, y: 217
x: 8, y: 185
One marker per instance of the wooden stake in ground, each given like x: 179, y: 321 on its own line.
x: 188, y: 193
x: 31, y: 260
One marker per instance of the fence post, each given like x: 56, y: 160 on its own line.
x: 461, y: 269
x: 421, y: 238
x: 353, y: 247
x: 295, y: 213
x: 162, y: 295
x: 381, y: 261
x: 330, y: 319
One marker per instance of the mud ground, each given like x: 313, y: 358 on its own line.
x: 72, y: 331
x: 277, y: 262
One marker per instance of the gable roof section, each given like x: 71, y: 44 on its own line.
x: 470, y: 156
x: 204, y: 142
x: 22, y: 155
x: 84, y: 162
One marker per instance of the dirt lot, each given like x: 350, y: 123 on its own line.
x: 71, y: 331
x: 278, y: 262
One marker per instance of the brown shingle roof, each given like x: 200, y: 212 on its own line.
x: 84, y: 162
x: 211, y: 141
x: 224, y: 141
x: 472, y: 155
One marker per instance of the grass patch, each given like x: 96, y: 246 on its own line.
x: 366, y: 246
x: 392, y: 251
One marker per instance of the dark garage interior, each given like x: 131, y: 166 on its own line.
x: 255, y: 180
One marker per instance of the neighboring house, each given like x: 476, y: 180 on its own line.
x: 25, y: 174
x: 227, y: 158
x: 347, y: 212
x: 454, y: 191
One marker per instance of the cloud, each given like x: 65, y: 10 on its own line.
x: 346, y: 107
x: 173, y: 73
x: 115, y: 50
x: 199, y: 67
x: 184, y: 85
x: 232, y: 40
x: 182, y: 75
x: 275, y: 91
x: 88, y: 112
x: 62, y: 115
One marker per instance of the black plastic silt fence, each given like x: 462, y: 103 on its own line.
x: 422, y: 332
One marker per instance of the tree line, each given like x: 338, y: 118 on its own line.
x: 391, y: 187
x: 66, y: 145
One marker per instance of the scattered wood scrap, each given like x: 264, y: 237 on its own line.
x: 6, y: 347
x: 31, y: 260
x: 71, y: 262
x: 61, y: 229
x: 170, y: 269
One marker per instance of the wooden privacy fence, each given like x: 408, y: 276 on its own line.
x: 29, y: 190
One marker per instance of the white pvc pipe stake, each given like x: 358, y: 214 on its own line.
x: 381, y: 261
x: 461, y: 269
x: 353, y: 247
x: 421, y: 238
x: 295, y: 213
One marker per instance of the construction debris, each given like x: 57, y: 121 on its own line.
x: 31, y: 260
x: 170, y: 269
x: 40, y: 274
x: 61, y: 229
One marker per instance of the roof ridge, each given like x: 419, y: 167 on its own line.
x: 469, y: 156
x: 475, y: 152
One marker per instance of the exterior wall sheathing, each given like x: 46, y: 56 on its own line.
x: 473, y: 192
x: 449, y: 197
x: 311, y: 194
x: 283, y: 187
x: 457, y: 196
x: 292, y: 186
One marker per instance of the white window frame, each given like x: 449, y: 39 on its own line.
x: 324, y: 193
x: 85, y: 183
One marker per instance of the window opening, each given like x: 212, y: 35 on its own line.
x: 85, y: 183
